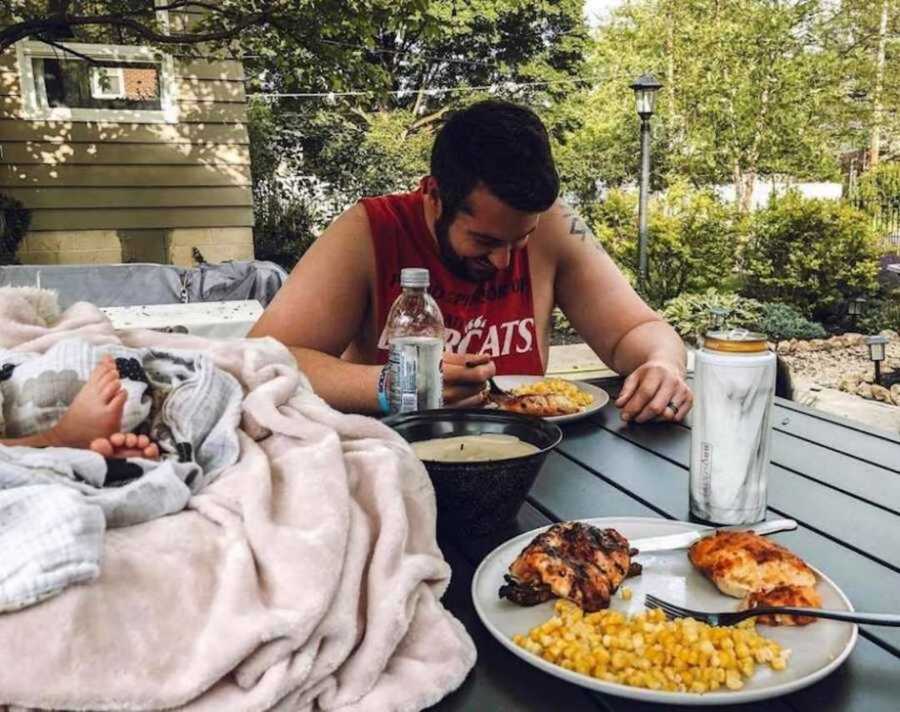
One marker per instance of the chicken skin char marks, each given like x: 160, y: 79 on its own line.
x: 571, y: 560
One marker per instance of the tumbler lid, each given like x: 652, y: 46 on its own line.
x: 736, y: 341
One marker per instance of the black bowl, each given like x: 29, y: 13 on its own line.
x: 479, y: 497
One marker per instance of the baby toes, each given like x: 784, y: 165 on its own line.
x: 102, y: 446
x: 151, y: 452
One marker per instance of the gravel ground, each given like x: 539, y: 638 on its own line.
x: 829, y: 368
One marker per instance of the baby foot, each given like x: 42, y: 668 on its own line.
x: 96, y: 412
x: 125, y: 445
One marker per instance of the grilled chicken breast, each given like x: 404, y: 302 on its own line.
x: 574, y: 561
x: 741, y: 563
x: 544, y: 406
x: 803, y: 596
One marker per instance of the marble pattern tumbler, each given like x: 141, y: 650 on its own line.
x: 734, y: 384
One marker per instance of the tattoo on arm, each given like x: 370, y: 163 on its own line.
x: 580, y: 231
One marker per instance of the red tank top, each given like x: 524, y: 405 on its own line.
x: 494, y: 317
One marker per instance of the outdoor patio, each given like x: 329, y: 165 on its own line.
x: 234, y: 477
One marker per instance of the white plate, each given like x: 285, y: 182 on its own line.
x: 818, y: 649
x: 601, y: 397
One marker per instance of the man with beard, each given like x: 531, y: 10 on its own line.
x: 502, y: 250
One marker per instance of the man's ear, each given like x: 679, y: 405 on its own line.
x: 433, y: 196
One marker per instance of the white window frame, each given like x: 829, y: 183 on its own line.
x: 34, y: 94
x: 98, y: 91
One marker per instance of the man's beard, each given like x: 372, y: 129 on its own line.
x: 459, y: 266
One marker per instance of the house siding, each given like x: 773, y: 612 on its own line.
x: 95, y: 189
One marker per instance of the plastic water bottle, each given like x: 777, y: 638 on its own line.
x: 415, y: 336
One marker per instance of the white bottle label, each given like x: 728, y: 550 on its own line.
x: 415, y: 371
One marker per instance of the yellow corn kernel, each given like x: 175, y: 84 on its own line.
x: 646, y: 650
x: 625, y: 592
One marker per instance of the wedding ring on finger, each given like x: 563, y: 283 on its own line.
x: 673, y: 407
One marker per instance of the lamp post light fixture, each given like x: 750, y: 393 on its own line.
x: 645, y: 88
x: 876, y: 346
x: 855, y: 308
x: 719, y: 314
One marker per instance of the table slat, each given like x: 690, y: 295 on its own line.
x: 858, y: 478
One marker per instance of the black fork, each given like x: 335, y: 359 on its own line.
x: 732, y: 617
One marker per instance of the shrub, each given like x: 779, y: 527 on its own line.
x: 692, y: 315
x: 282, y: 235
x: 692, y: 240
x: 781, y: 321
x: 880, y: 314
x: 14, y: 222
x: 812, y: 254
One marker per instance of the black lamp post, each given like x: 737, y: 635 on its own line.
x: 876, y: 346
x: 645, y: 88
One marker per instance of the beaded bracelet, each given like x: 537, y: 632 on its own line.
x: 383, y: 403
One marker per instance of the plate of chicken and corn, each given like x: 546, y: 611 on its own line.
x: 571, y: 599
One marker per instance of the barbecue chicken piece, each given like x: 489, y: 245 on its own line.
x: 574, y: 561
x: 544, y: 406
x: 741, y: 563
x: 804, y: 596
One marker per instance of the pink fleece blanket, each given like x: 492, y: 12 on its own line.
x: 307, y: 577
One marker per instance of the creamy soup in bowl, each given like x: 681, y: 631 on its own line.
x: 473, y: 448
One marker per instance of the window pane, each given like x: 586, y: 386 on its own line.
x: 67, y: 83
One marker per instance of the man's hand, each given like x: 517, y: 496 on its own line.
x: 656, y: 389
x: 465, y: 386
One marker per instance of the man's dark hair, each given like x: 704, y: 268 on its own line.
x: 498, y: 143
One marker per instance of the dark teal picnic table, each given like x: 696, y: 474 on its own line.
x: 838, y: 479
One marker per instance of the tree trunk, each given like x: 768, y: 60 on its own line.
x: 744, y: 185
x: 875, y: 145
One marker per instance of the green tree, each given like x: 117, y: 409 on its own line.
x: 378, y: 138
x: 863, y: 33
x: 749, y: 91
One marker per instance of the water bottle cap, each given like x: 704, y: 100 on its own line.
x: 414, y: 277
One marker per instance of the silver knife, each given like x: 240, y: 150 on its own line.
x: 671, y: 542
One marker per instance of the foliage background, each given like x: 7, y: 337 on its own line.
x: 345, y: 99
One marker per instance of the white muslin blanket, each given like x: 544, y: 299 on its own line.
x: 305, y: 577
x: 50, y: 538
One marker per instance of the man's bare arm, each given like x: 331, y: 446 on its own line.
x: 625, y: 332
x: 322, y: 306
x: 348, y: 387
